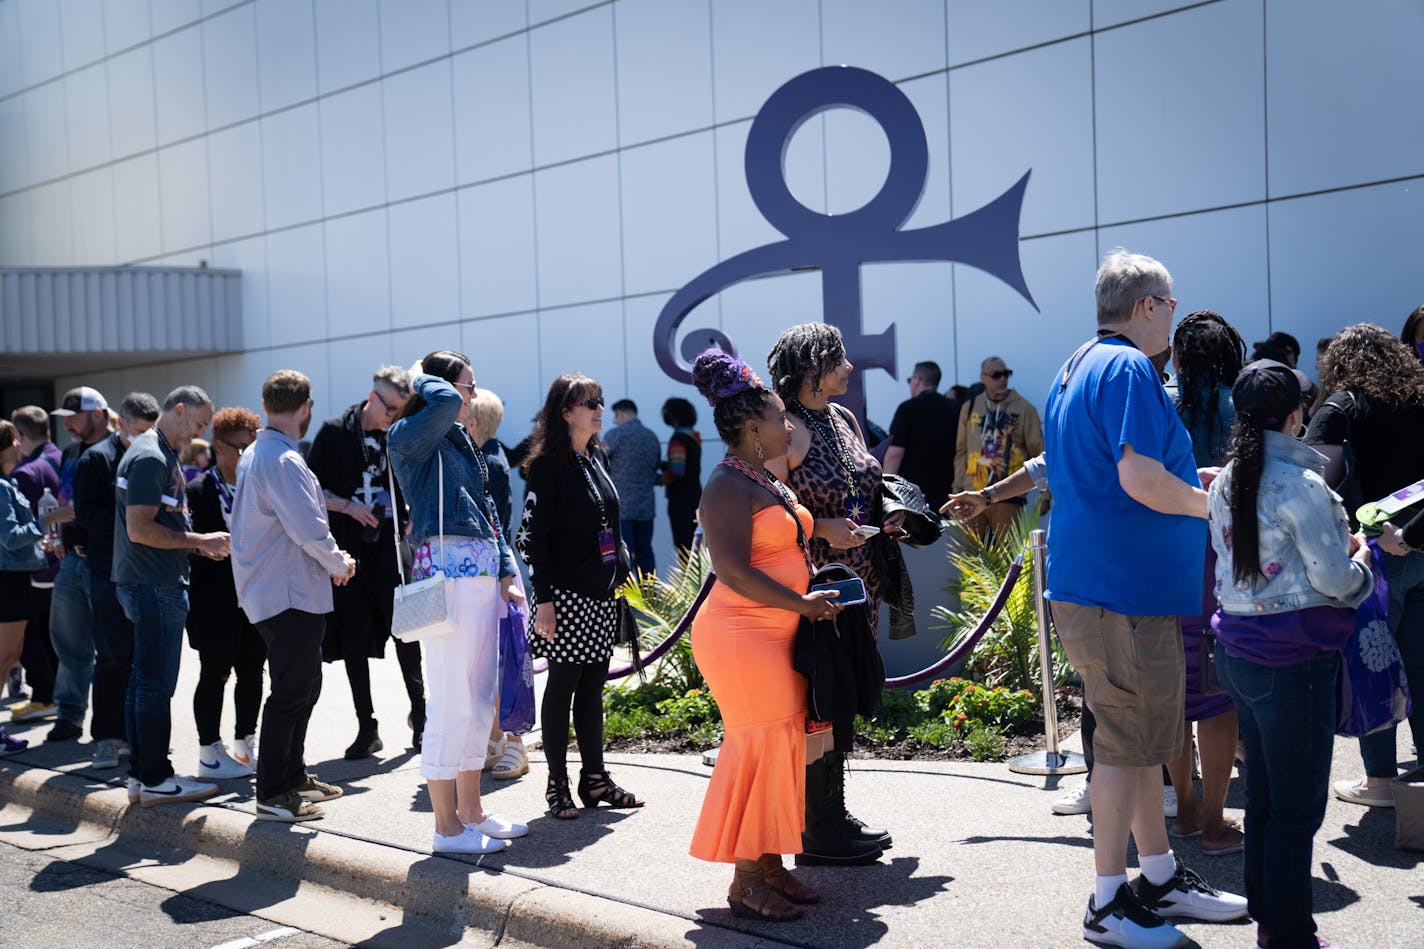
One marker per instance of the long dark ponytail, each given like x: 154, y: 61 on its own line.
x: 1247, y: 454
x: 1266, y: 394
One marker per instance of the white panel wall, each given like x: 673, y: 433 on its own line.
x: 530, y: 181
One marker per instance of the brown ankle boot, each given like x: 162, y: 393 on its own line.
x: 780, y: 879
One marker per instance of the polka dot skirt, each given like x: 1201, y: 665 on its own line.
x: 583, y: 629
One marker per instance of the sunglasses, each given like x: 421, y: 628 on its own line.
x: 592, y: 404
x: 235, y: 446
x: 1000, y: 374
x: 390, y: 409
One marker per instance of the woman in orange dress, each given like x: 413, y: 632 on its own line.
x: 742, y: 640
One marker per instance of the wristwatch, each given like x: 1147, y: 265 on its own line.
x: 988, y: 492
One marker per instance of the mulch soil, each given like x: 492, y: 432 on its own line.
x: 1030, y: 738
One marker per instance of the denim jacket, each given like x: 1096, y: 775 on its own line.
x: 1304, y: 537
x: 413, y: 443
x: 20, y: 533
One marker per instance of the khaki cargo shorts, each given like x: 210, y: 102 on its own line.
x: 1134, y: 681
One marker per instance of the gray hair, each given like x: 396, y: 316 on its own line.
x: 1123, y: 279
x: 984, y: 366
x: 190, y: 396
x: 395, y: 377
x: 139, y: 406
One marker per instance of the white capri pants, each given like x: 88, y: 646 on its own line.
x: 462, y: 681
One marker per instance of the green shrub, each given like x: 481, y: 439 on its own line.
x: 936, y: 733
x: 985, y: 743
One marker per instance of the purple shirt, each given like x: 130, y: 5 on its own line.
x: 32, y: 476
x: 1284, y: 639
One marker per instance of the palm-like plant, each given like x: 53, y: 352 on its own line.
x: 660, y: 605
x: 1008, y: 653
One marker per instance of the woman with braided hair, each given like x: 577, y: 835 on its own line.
x: 756, y: 533
x: 829, y: 467
x: 1206, y: 353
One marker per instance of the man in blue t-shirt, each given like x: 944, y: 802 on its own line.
x: 1125, y: 560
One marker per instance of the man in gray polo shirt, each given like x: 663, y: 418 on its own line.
x: 284, y: 561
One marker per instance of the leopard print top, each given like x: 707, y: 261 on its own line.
x: 820, y: 484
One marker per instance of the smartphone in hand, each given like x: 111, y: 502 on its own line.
x: 851, y: 591
x: 866, y: 531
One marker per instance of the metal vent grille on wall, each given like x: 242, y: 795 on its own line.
x: 55, y: 319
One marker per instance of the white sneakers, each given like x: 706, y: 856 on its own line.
x: 1076, y: 801
x: 469, y: 840
x: 1188, y: 896
x: 175, y: 789
x: 499, y: 828
x: 215, y: 764
x: 1169, y: 800
x: 1359, y: 792
x: 244, y: 751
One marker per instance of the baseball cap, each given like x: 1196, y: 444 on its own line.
x: 82, y: 399
x: 1266, y: 391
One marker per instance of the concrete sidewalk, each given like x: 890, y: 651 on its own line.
x: 979, y: 859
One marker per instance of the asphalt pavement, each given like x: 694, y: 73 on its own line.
x: 978, y: 857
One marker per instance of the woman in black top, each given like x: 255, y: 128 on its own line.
x: 217, y: 629
x: 1376, y: 412
x: 569, y: 537
x: 682, y: 472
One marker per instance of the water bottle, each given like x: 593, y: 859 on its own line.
x: 48, y: 504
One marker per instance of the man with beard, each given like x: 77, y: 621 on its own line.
x: 284, y: 561
x: 348, y: 456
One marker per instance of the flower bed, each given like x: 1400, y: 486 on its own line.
x: 951, y: 719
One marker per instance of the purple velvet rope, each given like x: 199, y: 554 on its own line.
x: 958, y: 655
x: 964, y: 648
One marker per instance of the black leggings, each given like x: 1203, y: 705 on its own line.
x: 37, y: 653
x: 216, y: 662
x: 580, y: 685
x: 358, y: 673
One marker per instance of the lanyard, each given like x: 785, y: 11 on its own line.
x: 584, y: 466
x: 224, y: 495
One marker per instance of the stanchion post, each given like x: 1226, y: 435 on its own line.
x: 1050, y: 760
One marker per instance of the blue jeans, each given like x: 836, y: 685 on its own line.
x: 71, y: 630
x: 1287, y: 718
x: 158, y: 614
x: 1406, y: 621
x: 638, y: 535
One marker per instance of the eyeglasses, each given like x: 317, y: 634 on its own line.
x: 390, y: 409
x: 999, y: 374
x: 592, y: 404
x: 234, y: 445
x: 467, y: 386
x: 1169, y: 302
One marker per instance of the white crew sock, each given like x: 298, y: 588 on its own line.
x: 1158, y: 868
x: 1107, y: 889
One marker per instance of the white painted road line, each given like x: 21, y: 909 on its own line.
x: 250, y: 941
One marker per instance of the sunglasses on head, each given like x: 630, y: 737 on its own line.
x: 1000, y: 373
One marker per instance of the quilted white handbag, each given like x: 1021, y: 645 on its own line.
x: 422, y: 608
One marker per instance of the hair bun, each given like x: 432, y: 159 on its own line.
x: 719, y: 375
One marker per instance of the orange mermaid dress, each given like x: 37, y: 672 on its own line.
x: 756, y: 800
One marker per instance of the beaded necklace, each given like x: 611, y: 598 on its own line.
x: 855, y: 508
x: 781, y: 492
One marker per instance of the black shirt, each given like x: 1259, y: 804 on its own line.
x: 94, y: 499
x: 1387, y: 442
x: 925, y: 426
x: 498, y: 466
x: 686, y: 492
x: 351, y: 464
x: 558, y: 536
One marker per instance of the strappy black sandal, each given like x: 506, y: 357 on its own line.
x: 596, y: 787
x: 561, y: 802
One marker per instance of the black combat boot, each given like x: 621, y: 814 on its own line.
x: 827, y: 838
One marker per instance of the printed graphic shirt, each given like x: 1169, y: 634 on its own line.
x: 150, y: 474
x: 994, y: 440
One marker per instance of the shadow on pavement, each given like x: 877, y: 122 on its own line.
x: 552, y: 842
x: 255, y: 885
x: 846, y: 915
x: 1371, y: 839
